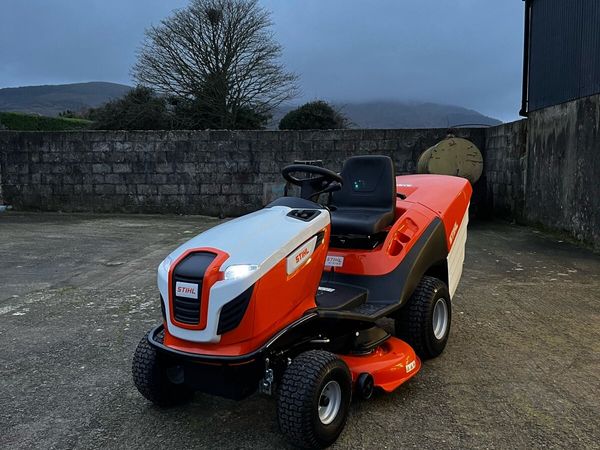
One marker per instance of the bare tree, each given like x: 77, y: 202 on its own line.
x: 220, y: 54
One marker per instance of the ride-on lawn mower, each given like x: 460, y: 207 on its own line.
x: 286, y: 300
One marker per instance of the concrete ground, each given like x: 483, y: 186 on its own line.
x: 77, y: 292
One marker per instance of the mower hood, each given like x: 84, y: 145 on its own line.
x: 247, y: 247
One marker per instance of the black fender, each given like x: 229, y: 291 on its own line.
x: 427, y: 255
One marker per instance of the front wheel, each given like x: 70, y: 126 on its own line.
x: 424, y: 322
x: 314, y: 399
x: 151, y: 378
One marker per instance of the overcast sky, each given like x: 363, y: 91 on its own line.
x: 461, y: 52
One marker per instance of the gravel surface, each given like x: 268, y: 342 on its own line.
x: 77, y: 292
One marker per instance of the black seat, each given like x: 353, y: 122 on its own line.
x: 366, y: 203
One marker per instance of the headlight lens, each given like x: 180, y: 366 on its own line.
x: 239, y: 271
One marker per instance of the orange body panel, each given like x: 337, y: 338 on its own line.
x: 427, y: 197
x: 382, y: 260
x: 391, y: 364
x: 447, y: 197
x: 281, y: 299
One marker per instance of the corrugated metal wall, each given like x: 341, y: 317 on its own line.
x: 564, y: 51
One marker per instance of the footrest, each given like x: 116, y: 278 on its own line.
x: 336, y: 296
x: 370, y: 309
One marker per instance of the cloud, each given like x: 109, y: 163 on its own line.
x: 465, y: 52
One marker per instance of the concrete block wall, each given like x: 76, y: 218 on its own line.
x: 562, y: 185
x: 201, y: 172
x: 546, y: 170
x: 505, y: 163
x: 543, y: 170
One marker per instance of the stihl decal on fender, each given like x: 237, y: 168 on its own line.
x: 301, y: 255
x: 334, y: 261
x: 411, y: 366
x: 188, y: 290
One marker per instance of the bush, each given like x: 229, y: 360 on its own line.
x: 143, y: 109
x: 68, y: 114
x: 29, y: 122
x: 140, y: 109
x: 198, y: 115
x: 317, y: 115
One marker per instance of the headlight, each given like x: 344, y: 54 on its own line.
x: 239, y: 271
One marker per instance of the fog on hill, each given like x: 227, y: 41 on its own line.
x: 397, y: 114
x: 53, y: 99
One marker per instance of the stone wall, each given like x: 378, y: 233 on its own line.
x: 205, y: 172
x: 543, y: 170
x: 504, y: 157
x: 562, y: 186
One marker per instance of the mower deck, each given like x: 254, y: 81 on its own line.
x: 389, y: 360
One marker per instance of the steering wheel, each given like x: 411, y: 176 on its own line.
x: 324, y: 176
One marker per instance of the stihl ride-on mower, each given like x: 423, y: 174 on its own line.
x: 286, y: 300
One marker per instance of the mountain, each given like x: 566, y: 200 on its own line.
x: 53, y: 99
x: 397, y: 114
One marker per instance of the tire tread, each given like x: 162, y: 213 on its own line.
x: 413, y: 320
x: 151, y: 382
x: 298, y: 388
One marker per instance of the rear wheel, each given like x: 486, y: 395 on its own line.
x: 424, y: 322
x: 314, y: 399
x: 151, y: 377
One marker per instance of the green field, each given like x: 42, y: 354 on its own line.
x: 27, y: 122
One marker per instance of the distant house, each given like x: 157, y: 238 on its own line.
x: 562, y: 52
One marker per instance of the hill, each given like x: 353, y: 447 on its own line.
x: 396, y: 114
x: 27, y: 122
x: 53, y: 99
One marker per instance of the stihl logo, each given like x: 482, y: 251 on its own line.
x: 303, y: 254
x: 187, y: 290
x: 334, y: 261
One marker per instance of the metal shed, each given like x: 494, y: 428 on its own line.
x: 562, y: 52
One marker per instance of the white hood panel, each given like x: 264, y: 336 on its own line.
x: 263, y: 238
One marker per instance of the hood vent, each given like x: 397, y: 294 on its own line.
x: 233, y: 312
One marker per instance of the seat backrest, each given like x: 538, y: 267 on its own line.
x: 369, y: 182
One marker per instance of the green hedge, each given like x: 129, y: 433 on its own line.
x: 317, y: 115
x: 27, y: 122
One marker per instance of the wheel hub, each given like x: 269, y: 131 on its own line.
x: 330, y: 401
x: 440, y: 319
